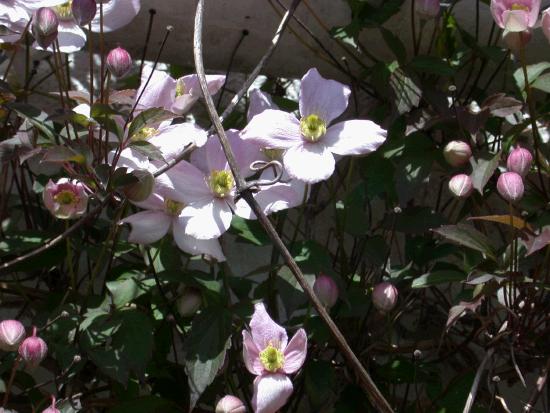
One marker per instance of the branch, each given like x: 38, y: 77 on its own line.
x: 375, y: 396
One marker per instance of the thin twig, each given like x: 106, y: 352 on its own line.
x: 473, y: 391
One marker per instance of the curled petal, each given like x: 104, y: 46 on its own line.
x: 207, y: 219
x: 258, y: 102
x: 274, y: 129
x: 192, y: 91
x: 273, y: 198
x: 271, y: 392
x: 295, y: 352
x: 265, y: 331
x: 173, y: 139
x: 354, y: 137
x: 194, y: 246
x: 251, y: 355
x: 160, y: 91
x: 116, y: 14
x: 309, y: 162
x: 148, y: 226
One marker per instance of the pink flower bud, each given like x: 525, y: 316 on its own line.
x: 230, y: 404
x: 427, y: 9
x: 519, y: 161
x: 44, y: 27
x: 326, y: 290
x: 119, y: 62
x: 83, y: 11
x: 457, y: 153
x: 515, y: 16
x: 516, y: 41
x: 65, y: 199
x: 12, y: 333
x: 510, y: 186
x: 52, y: 408
x: 189, y: 302
x: 384, y: 297
x: 461, y: 185
x: 33, y: 349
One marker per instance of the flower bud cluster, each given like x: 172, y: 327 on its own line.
x: 32, y: 349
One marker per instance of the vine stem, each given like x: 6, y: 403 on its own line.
x: 373, y: 393
x: 10, y: 382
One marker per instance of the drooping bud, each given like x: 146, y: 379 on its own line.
x: 189, y: 302
x: 326, y: 290
x: 516, y: 41
x: 427, y: 9
x: 230, y: 404
x: 12, y: 333
x: 519, y: 161
x: 510, y: 186
x: 457, y: 153
x: 65, y: 199
x: 384, y: 297
x: 84, y: 11
x: 44, y: 26
x: 119, y: 62
x: 52, y: 408
x: 33, y: 349
x: 140, y: 190
x: 461, y: 185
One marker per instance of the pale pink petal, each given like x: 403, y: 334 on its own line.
x: 309, y: 162
x: 148, y: 226
x: 265, y: 331
x: 130, y: 159
x: 195, y: 246
x: 251, y: 355
x: 296, y: 352
x: 155, y: 202
x: 273, y: 198
x: 116, y: 14
x: 271, y: 392
x: 160, y: 91
x: 325, y: 98
x: 71, y: 37
x: 354, y: 137
x: 172, y: 140
x: 515, y: 20
x: 274, y: 129
x: 188, y: 184
x: 258, y: 102
x: 35, y: 4
x: 192, y: 86
x: 207, y: 219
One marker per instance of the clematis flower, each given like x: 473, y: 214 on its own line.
x: 310, y: 143
x: 174, y: 95
x: 268, y: 355
x: 515, y: 15
x: 65, y: 199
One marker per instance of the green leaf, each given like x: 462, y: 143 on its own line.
x: 312, y: 257
x: 320, y: 383
x: 290, y: 291
x: 148, y: 149
x: 250, y: 231
x: 149, y: 117
x: 469, y: 237
x: 407, y: 93
x: 483, y: 167
x: 413, y: 220
x: 533, y: 72
x: 62, y: 154
x: 437, y: 277
x: 542, y: 83
x: 395, y: 44
x: 35, y: 116
x: 432, y: 65
x: 205, y: 348
x: 129, y: 286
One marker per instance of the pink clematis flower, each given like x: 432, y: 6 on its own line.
x: 268, y: 355
x: 515, y: 15
x: 309, y: 143
x: 65, y: 199
x: 174, y: 95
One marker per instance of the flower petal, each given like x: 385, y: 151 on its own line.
x: 187, y: 184
x: 325, y: 98
x: 154, y: 202
x: 354, y: 137
x: 295, y: 352
x: 265, y: 331
x: 207, y: 219
x: 309, y: 162
x: 195, y: 246
x: 147, y: 226
x: 159, y: 93
x: 271, y: 392
x: 515, y: 20
x: 251, y: 355
x: 116, y: 14
x: 258, y: 102
x: 274, y: 129
x: 273, y: 198
x: 172, y: 140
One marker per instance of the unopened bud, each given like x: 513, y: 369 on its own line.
x: 510, y: 186
x: 189, y: 302
x: 77, y: 358
x: 52, y: 408
x: 427, y: 9
x: 44, y: 27
x: 384, y: 297
x: 64, y: 314
x: 461, y: 185
x: 12, y: 333
x: 326, y: 290
x: 457, y: 153
x: 33, y: 350
x: 119, y: 62
x: 519, y: 161
x: 142, y: 189
x: 84, y: 11
x: 230, y: 404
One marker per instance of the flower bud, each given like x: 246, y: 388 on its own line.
x: 44, y: 27
x: 427, y: 9
x: 519, y: 161
x: 516, y: 41
x: 119, y: 62
x: 65, y: 199
x: 326, y: 290
x: 12, y: 333
x: 142, y: 189
x: 33, y: 349
x: 83, y: 11
x: 457, y: 153
x: 510, y: 186
x: 189, y: 302
x: 230, y: 404
x: 461, y: 185
x: 384, y: 297
x: 52, y: 408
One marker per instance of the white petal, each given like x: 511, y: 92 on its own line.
x: 208, y: 219
x: 194, y: 246
x: 148, y: 226
x: 116, y: 14
x: 188, y: 184
x: 309, y: 162
x: 159, y: 93
x: 354, y: 137
x: 274, y: 129
x: 271, y: 392
x: 271, y: 199
x: 258, y: 102
x: 172, y: 140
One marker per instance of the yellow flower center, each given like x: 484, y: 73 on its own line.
x: 517, y: 6
x: 64, y: 11
x: 272, y: 358
x: 221, y: 183
x: 173, y: 208
x: 313, y: 128
x: 273, y: 154
x: 180, y: 88
x: 65, y: 197
x: 144, y: 134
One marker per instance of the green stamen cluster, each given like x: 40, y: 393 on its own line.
x: 272, y: 358
x: 313, y: 128
x: 517, y: 6
x: 65, y: 197
x: 173, y: 208
x: 64, y: 11
x: 180, y: 88
x: 221, y: 183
